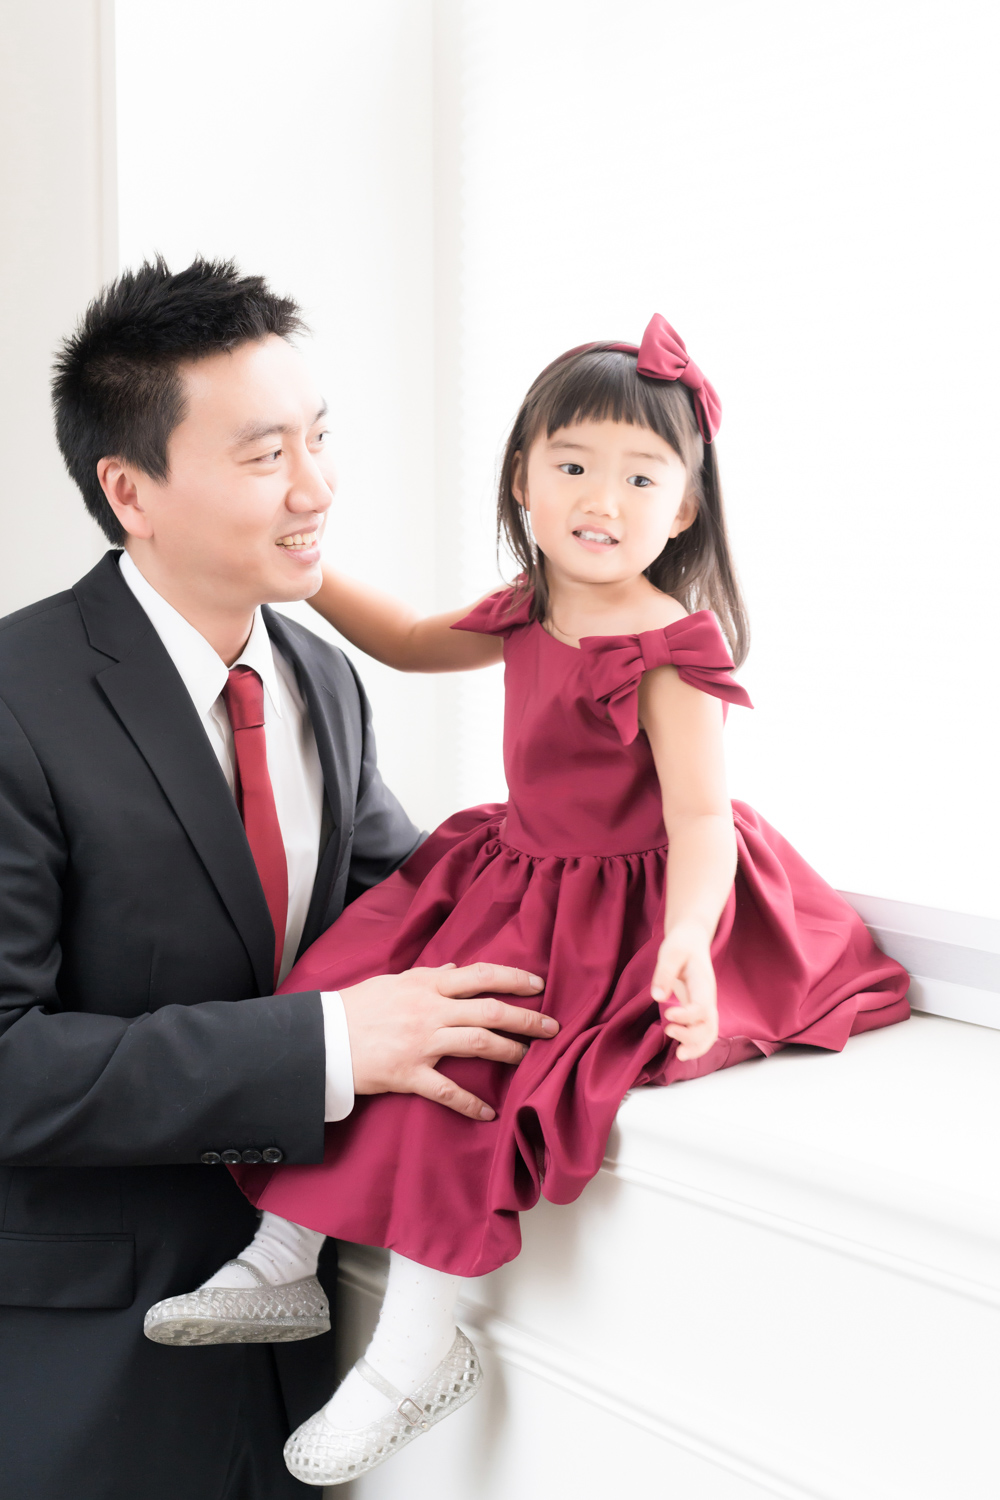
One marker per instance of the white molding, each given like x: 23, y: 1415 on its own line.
x: 953, y: 958
x: 361, y: 1270
x: 810, y: 1234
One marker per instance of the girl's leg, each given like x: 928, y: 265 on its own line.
x: 280, y: 1250
x: 416, y: 1329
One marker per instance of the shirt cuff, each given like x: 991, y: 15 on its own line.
x: 339, y: 1067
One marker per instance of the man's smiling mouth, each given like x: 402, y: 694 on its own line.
x: 300, y: 540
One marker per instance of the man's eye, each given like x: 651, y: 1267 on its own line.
x: 321, y: 437
x: 270, y: 458
x: 571, y: 468
x: 639, y: 480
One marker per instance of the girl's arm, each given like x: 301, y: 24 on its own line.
x: 395, y: 634
x: 684, y: 727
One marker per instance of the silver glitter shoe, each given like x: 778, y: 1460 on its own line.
x: 263, y: 1314
x: 319, y: 1453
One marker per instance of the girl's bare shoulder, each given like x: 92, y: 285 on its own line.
x: 656, y: 611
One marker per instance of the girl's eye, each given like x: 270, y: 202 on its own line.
x: 639, y: 480
x: 571, y: 468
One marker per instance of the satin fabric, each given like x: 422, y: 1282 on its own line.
x: 566, y: 879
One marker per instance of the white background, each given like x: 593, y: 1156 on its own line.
x: 458, y: 191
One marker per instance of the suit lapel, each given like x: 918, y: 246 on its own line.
x: 147, y: 694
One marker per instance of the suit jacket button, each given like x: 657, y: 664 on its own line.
x: 252, y: 1157
x: 272, y: 1155
x: 231, y: 1157
x: 210, y: 1158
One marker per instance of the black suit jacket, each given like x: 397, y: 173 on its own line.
x: 137, y: 1030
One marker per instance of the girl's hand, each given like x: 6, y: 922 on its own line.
x: 684, y: 969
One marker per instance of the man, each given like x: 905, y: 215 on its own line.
x: 188, y: 796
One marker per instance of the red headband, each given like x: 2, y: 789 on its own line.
x: 663, y: 356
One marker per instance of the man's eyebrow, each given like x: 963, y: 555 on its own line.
x: 253, y: 432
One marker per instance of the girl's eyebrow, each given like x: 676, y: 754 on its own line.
x: 653, y: 458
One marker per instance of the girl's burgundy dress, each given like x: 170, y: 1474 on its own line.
x: 567, y: 879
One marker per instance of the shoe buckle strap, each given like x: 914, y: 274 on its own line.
x: 255, y: 1272
x: 411, y: 1411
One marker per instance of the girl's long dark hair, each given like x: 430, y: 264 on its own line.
x: 598, y: 384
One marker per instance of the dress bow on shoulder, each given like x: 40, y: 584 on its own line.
x: 499, y: 613
x: 694, y: 645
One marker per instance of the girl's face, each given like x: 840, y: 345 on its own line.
x: 604, y: 497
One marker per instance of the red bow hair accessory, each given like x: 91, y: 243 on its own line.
x: 663, y: 356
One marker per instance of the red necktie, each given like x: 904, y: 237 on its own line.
x: 244, y: 699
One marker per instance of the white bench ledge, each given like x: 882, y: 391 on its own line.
x: 785, y: 1281
x: 889, y: 1147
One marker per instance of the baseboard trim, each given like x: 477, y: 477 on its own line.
x: 361, y: 1271
x: 824, y: 1239
x: 953, y: 958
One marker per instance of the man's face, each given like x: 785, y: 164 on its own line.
x: 240, y: 514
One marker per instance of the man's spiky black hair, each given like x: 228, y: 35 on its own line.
x: 116, y: 387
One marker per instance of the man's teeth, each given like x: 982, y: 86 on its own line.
x: 300, y: 539
x: 597, y: 536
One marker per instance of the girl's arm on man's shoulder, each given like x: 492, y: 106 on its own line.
x: 393, y: 633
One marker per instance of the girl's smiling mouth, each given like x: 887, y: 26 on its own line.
x: 594, y: 540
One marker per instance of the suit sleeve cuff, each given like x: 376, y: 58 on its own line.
x: 339, y: 1067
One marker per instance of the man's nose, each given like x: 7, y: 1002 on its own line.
x: 310, y: 489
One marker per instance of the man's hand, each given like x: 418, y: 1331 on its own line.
x: 401, y: 1025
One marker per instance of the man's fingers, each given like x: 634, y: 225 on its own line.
x: 434, y: 1085
x: 478, y: 1041
x: 497, y: 1015
x: 474, y: 979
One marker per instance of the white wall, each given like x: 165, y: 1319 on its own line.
x: 299, y: 139
x: 457, y: 191
x: 806, y: 192
x: 57, y: 244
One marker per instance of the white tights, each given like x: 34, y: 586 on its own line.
x: 416, y: 1326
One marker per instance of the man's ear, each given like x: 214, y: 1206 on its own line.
x: 686, y: 512
x: 118, y: 483
x: 517, y: 482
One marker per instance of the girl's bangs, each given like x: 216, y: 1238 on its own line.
x: 603, y: 385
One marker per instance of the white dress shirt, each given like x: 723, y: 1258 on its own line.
x: 296, y: 779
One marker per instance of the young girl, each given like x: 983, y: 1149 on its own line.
x: 676, y: 933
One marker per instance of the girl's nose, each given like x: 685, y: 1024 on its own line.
x: 601, y: 501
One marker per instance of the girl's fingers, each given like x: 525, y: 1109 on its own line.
x: 668, y: 983
x: 685, y: 1014
x: 694, y: 1041
x: 664, y: 983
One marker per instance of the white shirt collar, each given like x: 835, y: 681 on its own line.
x: 201, y: 668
